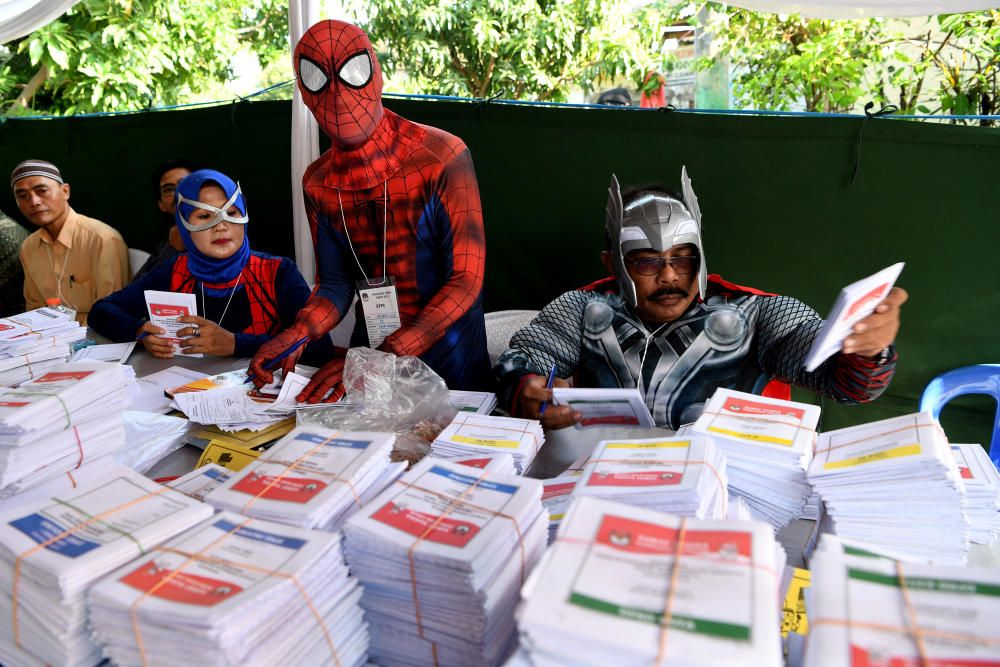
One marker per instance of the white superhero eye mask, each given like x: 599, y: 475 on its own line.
x: 220, y: 213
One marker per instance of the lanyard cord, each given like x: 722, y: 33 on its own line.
x: 62, y: 273
x: 204, y: 305
x: 385, y: 239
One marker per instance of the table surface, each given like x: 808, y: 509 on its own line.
x: 562, y: 447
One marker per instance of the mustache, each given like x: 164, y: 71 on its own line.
x: 668, y: 291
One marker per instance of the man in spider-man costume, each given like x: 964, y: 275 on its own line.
x: 663, y: 325
x: 391, y: 198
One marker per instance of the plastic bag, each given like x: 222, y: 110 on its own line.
x: 149, y: 438
x: 401, y: 395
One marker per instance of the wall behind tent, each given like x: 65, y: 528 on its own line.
x: 778, y: 212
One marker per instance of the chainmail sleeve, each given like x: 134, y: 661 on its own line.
x: 785, y: 330
x: 553, y: 337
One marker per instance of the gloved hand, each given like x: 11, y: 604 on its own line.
x: 272, y: 349
x: 316, y: 318
x: 330, y: 376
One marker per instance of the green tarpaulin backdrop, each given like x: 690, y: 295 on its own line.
x: 778, y: 212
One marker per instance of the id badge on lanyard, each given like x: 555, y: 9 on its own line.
x: 380, y: 308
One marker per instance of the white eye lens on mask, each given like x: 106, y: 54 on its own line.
x: 356, y: 70
x: 311, y: 76
x: 220, y: 213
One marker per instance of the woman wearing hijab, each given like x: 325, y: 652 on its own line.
x: 245, y: 297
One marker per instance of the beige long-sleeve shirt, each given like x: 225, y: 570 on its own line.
x: 88, y: 261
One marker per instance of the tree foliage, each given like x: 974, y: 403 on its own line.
x: 521, y: 49
x: 107, y: 55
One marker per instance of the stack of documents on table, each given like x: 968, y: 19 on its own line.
x: 625, y: 585
x: 500, y: 462
x: 201, y: 481
x: 483, y: 402
x: 68, y: 416
x: 147, y: 394
x: 768, y: 443
x: 866, y: 610
x: 605, y: 407
x: 314, y: 477
x: 811, y: 509
x: 470, y: 433
x: 894, y: 484
x: 117, y: 353
x: 685, y: 476
x: 441, y: 555
x: 982, y: 492
x: 557, y: 494
x: 52, y: 551
x: 237, y: 405
x: 32, y: 342
x: 233, y: 591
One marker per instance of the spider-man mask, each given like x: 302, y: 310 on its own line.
x: 340, y: 81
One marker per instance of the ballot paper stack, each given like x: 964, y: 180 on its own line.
x: 768, y: 443
x: 441, y: 555
x: 314, y: 477
x: 482, y: 402
x: 557, y: 494
x: 685, y: 476
x: 60, y: 421
x: 470, y: 433
x: 33, y: 342
x: 233, y: 591
x: 982, y: 492
x: 230, y: 401
x: 866, y: 610
x: 894, y: 484
x: 625, y: 585
x: 201, y: 481
x: 53, y: 550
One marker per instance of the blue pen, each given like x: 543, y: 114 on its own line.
x: 281, y: 357
x: 548, y: 385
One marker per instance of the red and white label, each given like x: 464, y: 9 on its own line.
x: 286, y: 489
x: 453, y: 532
x: 874, y: 295
x: 63, y: 376
x: 745, y: 407
x: 181, y: 587
x: 167, y: 310
x: 638, y: 537
x: 638, y: 478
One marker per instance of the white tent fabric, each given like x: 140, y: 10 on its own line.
x: 854, y: 9
x: 22, y: 17
x: 305, y: 143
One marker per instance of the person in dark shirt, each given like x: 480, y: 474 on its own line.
x: 244, y: 297
x: 166, y: 176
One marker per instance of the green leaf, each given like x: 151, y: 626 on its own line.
x: 58, y: 56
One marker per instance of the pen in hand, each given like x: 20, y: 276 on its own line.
x: 548, y: 385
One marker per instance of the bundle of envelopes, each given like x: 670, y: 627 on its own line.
x: 894, y: 483
x: 34, y: 341
x: 441, y: 555
x: 982, y: 491
x: 483, y: 402
x: 685, y: 476
x: 60, y: 421
x: 51, y: 551
x: 201, y: 481
x: 233, y: 591
x: 557, y: 493
x: 471, y: 433
x: 626, y: 585
x: 868, y: 610
x: 314, y: 477
x: 768, y: 443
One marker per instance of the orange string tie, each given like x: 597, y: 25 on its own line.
x: 413, y: 565
x: 15, y: 585
x: 911, y: 612
x: 79, y: 445
x: 200, y: 556
x: 288, y: 469
x: 877, y: 435
x: 671, y: 592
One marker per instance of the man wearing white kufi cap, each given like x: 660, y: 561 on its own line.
x: 661, y: 323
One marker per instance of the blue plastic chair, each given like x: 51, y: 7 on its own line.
x: 981, y: 379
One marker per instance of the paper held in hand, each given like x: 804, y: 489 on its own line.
x: 164, y: 310
x: 605, y: 407
x: 854, y: 303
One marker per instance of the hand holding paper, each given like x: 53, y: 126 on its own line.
x: 864, y: 318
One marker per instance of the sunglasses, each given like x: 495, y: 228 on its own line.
x: 682, y: 265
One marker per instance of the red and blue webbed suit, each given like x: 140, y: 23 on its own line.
x: 390, y: 198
